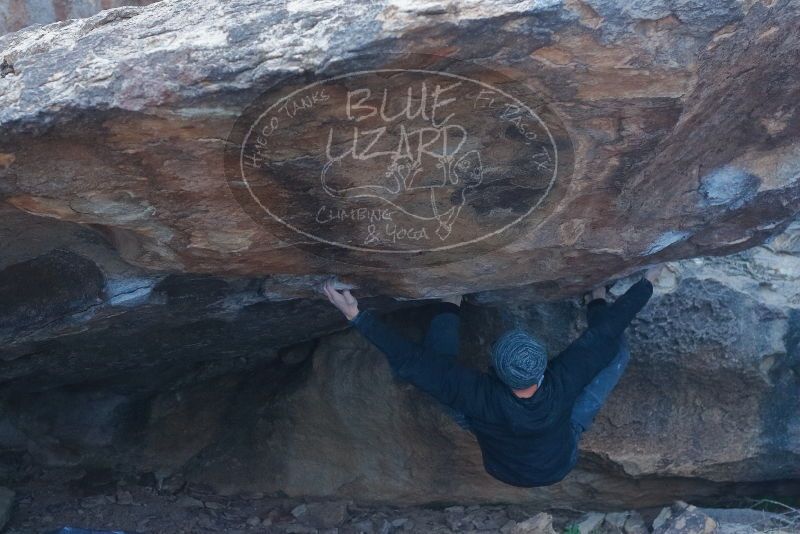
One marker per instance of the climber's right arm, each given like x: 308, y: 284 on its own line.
x: 574, y: 368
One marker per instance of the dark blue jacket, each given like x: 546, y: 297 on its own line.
x: 524, y: 442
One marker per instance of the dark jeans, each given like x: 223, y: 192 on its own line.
x: 596, y: 393
x: 442, y: 337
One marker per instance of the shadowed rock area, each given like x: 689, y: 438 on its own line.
x: 215, y: 396
x: 177, y: 180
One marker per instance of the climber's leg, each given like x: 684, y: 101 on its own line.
x: 442, y: 341
x: 442, y: 336
x: 594, y: 395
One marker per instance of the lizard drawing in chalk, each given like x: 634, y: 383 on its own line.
x: 407, y: 181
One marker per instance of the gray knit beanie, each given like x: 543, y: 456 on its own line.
x: 519, y: 359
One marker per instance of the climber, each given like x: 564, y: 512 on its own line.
x: 527, y: 414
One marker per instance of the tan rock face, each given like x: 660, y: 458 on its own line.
x: 403, y: 166
x: 678, y: 131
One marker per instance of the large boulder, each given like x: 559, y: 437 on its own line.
x: 706, y: 408
x: 160, y: 268
x: 708, y: 404
x: 713, y: 389
x: 625, y: 136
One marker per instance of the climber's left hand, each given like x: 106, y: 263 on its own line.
x: 343, y: 300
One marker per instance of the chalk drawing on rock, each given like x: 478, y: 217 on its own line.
x: 457, y: 176
x: 434, y: 165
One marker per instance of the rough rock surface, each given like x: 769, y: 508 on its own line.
x: 707, y: 407
x: 75, y: 313
x: 679, y: 128
x: 72, y: 497
x: 709, y: 401
x: 150, y: 324
x: 17, y: 14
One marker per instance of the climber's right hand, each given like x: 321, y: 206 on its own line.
x: 653, y: 273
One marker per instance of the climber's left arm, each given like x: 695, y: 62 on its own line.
x: 464, y: 389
